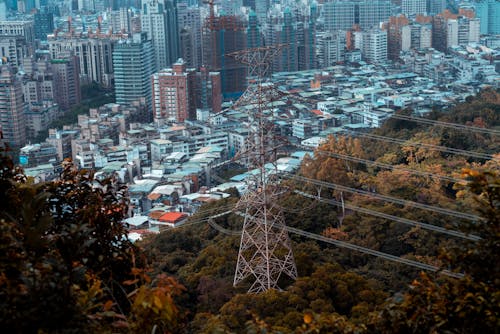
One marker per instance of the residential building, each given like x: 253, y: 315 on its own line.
x: 411, y: 8
x: 421, y: 36
x: 343, y: 15
x: 95, y: 55
x: 374, y: 48
x: 189, y: 25
x: 13, y: 48
x: 43, y: 24
x: 462, y: 31
x: 39, y: 117
x: 208, y: 90
x: 121, y: 20
x: 331, y: 47
x: 159, y: 22
x: 37, y: 154
x: 174, y: 97
x: 488, y: 11
x: 61, y: 140
x: 18, y: 28
x: 67, y: 81
x: 435, y: 7
x: 397, y: 36
x: 12, y: 108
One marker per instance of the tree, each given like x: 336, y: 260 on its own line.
x: 66, y: 264
x: 467, y: 305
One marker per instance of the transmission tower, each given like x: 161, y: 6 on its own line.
x: 265, y: 253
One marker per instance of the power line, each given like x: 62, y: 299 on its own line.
x: 446, y: 124
x: 384, y: 165
x: 393, y: 218
x: 365, y: 250
x: 386, y: 198
x: 339, y: 243
x: 428, y: 146
x: 344, y: 244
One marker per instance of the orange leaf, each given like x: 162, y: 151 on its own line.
x: 107, y: 306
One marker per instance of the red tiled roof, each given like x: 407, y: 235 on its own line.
x: 172, y: 217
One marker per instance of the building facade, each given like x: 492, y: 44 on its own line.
x: 67, y: 81
x: 159, y: 21
x: 374, y: 46
x: 95, y: 55
x: 174, y: 94
x: 134, y: 63
x: 12, y: 109
x: 343, y: 15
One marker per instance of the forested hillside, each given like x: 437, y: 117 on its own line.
x: 343, y: 291
x: 67, y: 267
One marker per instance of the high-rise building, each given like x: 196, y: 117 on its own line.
x: 13, y: 49
x: 208, y: 90
x: 339, y: 15
x: 159, y: 21
x: 189, y: 23
x: 261, y: 9
x: 44, y: 25
x: 411, y: 8
x: 372, y: 13
x: 133, y: 61
x: 297, y: 31
x: 374, y: 48
x: 231, y: 7
x: 462, y: 31
x: 306, y: 40
x: 439, y: 33
x: 67, y: 81
x: 435, y: 7
x: 396, y: 36
x: 421, y: 36
x: 288, y: 35
x: 488, y: 11
x: 18, y: 28
x: 343, y: 15
x: 174, y: 98
x: 3, y: 14
x: 331, y: 48
x: 12, y: 108
x: 223, y: 35
x: 187, y: 46
x: 254, y: 36
x: 95, y: 55
x: 120, y: 20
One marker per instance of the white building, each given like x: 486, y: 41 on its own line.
x: 331, y: 48
x: 18, y: 28
x: 159, y: 21
x: 462, y: 31
x: 375, y: 46
x: 95, y: 56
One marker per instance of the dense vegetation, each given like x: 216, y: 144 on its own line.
x: 344, y: 291
x: 66, y: 265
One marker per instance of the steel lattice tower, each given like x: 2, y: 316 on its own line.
x: 265, y: 253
